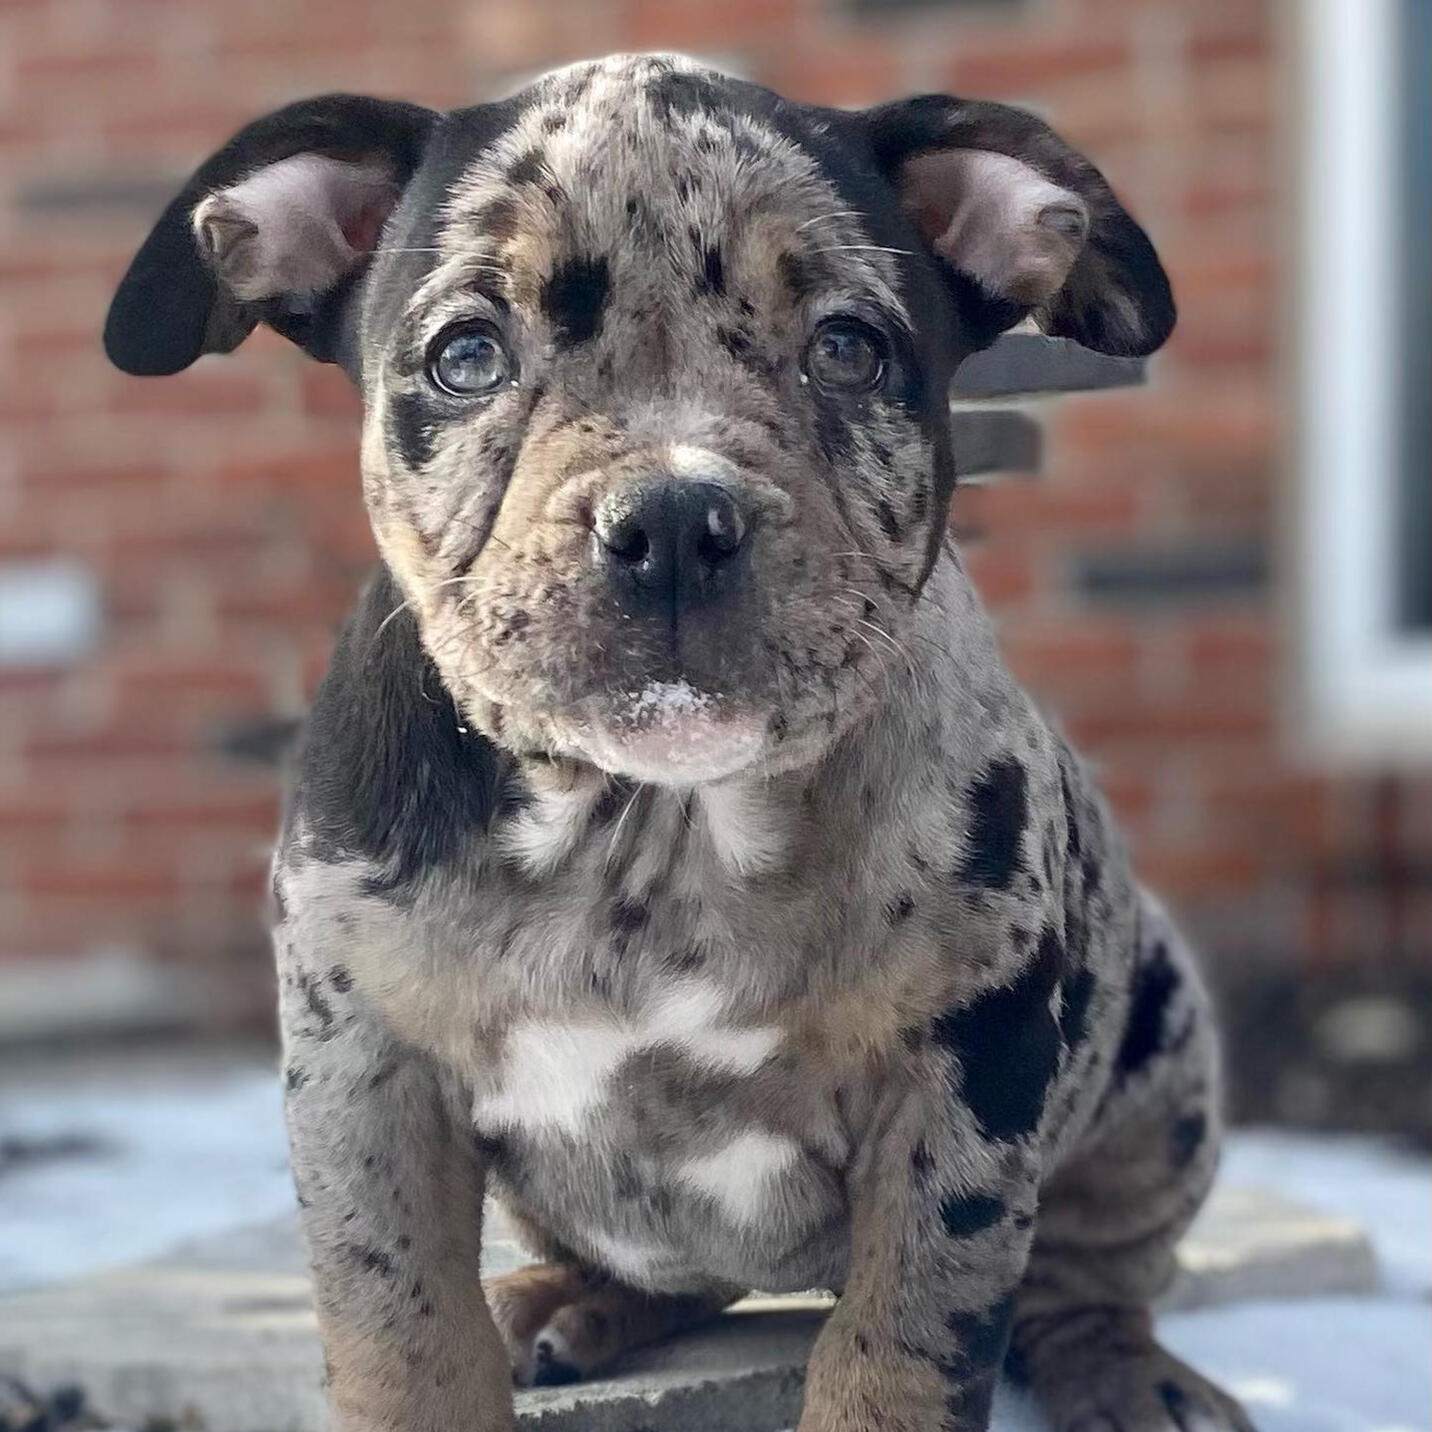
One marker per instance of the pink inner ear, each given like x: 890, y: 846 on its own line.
x: 363, y: 228
x: 996, y: 218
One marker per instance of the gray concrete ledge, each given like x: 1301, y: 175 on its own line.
x: 1023, y: 364
x: 221, y: 1334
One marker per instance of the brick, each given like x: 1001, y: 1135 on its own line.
x: 1172, y: 727
x: 199, y: 392
x: 120, y: 879
x: 327, y: 392
x: 1229, y: 643
x: 1030, y: 62
x: 322, y: 467
x: 1233, y: 95
x: 1002, y: 576
x: 840, y: 75
x: 1053, y: 652
x: 1191, y: 875
x: 252, y: 811
x: 106, y: 62
x: 1063, y: 509
x: 702, y: 27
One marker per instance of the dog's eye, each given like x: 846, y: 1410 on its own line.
x: 470, y: 361
x: 846, y: 355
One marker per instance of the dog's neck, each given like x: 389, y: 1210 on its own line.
x: 926, y: 718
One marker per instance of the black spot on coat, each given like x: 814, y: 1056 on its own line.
x: 410, y: 426
x: 983, y: 1338
x: 833, y: 433
x: 629, y: 916
x: 712, y: 279
x: 498, y: 220
x: 1074, y: 1016
x: 970, y: 1213
x: 528, y: 168
x: 318, y: 1006
x: 1189, y: 1412
x: 677, y: 93
x: 898, y: 910
x: 373, y: 1259
x: 999, y: 810
x: 798, y: 274
x: 1186, y: 1138
x: 739, y: 343
x: 386, y: 771
x: 981, y: 1343
x: 1155, y: 985
x: 1006, y: 1043
x: 575, y: 297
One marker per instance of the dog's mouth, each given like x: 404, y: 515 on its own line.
x: 670, y: 733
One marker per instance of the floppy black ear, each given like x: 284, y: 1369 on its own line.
x: 1027, y: 220
x: 271, y: 229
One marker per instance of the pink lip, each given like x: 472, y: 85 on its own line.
x: 672, y: 734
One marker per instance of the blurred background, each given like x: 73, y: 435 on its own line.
x: 1219, y: 582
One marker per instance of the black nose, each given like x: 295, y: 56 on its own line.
x: 672, y: 544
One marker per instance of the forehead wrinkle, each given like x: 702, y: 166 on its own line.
x: 474, y: 270
x: 602, y: 141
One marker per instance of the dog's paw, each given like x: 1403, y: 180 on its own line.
x: 561, y: 1323
x: 554, y: 1363
x: 1150, y: 1393
x: 523, y: 1304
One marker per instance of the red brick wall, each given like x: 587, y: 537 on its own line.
x: 220, y: 509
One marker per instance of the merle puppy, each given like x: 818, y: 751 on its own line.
x: 671, y: 854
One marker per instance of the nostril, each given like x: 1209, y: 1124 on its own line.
x: 723, y: 532
x: 716, y: 547
x: 626, y: 541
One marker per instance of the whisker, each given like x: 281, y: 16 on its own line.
x: 617, y: 829
x: 894, y: 645
x: 864, y: 248
x: 822, y: 218
x: 383, y: 625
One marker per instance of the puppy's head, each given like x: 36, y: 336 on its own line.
x: 655, y: 369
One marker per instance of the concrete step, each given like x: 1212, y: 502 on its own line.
x: 221, y: 1334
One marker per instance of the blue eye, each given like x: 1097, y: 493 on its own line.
x: 470, y: 361
x: 847, y: 355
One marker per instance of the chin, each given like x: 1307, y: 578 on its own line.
x: 670, y: 733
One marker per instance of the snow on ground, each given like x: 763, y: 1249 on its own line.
x: 181, y: 1149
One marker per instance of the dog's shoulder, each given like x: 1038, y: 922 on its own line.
x: 389, y: 772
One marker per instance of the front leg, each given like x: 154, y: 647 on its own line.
x: 940, y: 1223
x: 390, y: 1182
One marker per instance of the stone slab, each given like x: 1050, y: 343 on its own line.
x: 221, y: 1334
x: 995, y: 441
x: 1023, y: 364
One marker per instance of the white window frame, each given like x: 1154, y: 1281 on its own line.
x: 1366, y: 686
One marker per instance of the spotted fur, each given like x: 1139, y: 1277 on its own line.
x: 755, y: 934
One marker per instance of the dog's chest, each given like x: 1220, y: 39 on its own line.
x: 671, y: 1147
x: 557, y: 1071
x: 666, y: 1059
x: 671, y: 1133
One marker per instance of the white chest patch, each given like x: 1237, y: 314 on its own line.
x: 740, y: 1176
x: 553, y: 1075
x: 745, y: 831
x: 547, y: 832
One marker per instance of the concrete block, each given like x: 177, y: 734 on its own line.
x: 221, y: 1334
